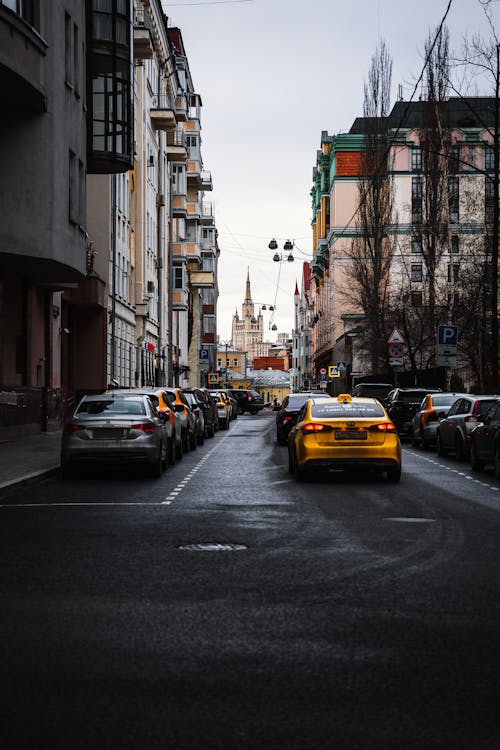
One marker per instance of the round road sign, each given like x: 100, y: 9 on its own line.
x: 322, y: 371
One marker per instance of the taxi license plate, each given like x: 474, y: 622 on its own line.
x: 351, y: 435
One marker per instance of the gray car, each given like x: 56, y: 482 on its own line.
x: 454, y: 430
x: 434, y: 407
x: 112, y: 429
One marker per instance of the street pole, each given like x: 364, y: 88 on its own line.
x: 495, y: 236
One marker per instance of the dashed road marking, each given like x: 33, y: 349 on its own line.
x: 455, y: 471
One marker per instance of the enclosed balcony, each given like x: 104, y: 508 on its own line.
x: 162, y: 112
x: 202, y: 279
x: 179, y: 250
x: 176, y: 145
x: 180, y: 299
x: 207, y: 214
x: 22, y: 62
x: 194, y: 210
x: 193, y: 252
x: 179, y: 210
x: 143, y: 40
x: 181, y: 108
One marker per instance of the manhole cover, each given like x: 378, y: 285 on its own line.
x: 213, y: 547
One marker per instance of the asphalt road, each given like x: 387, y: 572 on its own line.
x: 225, y: 606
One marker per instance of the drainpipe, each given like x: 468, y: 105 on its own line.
x: 170, y: 342
x: 113, y: 280
x: 160, y: 217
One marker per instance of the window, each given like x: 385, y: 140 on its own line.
x: 76, y: 60
x: 416, y: 299
x: 455, y: 244
x: 472, y: 156
x: 74, y: 191
x: 489, y: 203
x: 416, y: 272
x: 235, y: 362
x: 489, y: 158
x: 68, y: 61
x: 416, y: 200
x: 27, y: 9
x: 453, y: 199
x: 416, y: 159
x: 453, y: 272
x: 454, y: 160
x: 416, y: 244
x: 178, y: 277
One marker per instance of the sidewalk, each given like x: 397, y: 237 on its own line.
x: 29, y: 457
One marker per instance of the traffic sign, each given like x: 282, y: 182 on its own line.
x: 396, y: 350
x: 213, y: 378
x: 447, y: 335
x: 396, y: 337
x: 333, y: 371
x: 203, y: 354
x: 396, y: 361
x: 322, y: 371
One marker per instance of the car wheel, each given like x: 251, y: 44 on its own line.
x: 185, y: 442
x: 459, y: 448
x: 201, y: 438
x: 171, y: 451
x: 299, y: 473
x: 394, y: 474
x: 164, y: 461
x: 441, y: 450
x: 193, y: 441
x: 475, y: 463
x: 415, y: 441
x: 179, y: 450
x: 253, y: 411
x: 291, y: 468
x: 497, y: 461
x: 157, y: 466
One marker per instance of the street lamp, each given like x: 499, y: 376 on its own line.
x: 287, y: 247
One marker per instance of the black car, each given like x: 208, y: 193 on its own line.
x: 248, y: 400
x: 402, y: 404
x: 199, y: 399
x: 485, y: 441
x: 286, y: 417
x: 379, y: 391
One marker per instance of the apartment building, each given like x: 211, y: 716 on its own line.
x: 108, y: 250
x: 302, y: 334
x: 460, y: 226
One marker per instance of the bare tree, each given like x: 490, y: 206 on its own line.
x: 371, y: 251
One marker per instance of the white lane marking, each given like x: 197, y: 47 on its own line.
x: 282, y: 481
x: 456, y: 471
x: 73, y: 505
x: 180, y: 486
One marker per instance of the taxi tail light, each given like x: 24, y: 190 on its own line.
x: 147, y: 427
x: 316, y: 427
x: 383, y: 427
x: 287, y: 418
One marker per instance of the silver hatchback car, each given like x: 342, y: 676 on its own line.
x: 454, y: 430
x: 110, y: 428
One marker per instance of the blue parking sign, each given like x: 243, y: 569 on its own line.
x: 447, y: 335
x: 203, y: 354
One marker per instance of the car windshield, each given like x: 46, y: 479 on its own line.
x: 296, y: 402
x: 112, y: 406
x: 347, y: 410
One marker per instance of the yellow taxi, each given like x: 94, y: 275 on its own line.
x: 344, y: 432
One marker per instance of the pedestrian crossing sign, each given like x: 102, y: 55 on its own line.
x: 213, y: 378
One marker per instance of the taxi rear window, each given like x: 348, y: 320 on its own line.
x: 346, y: 411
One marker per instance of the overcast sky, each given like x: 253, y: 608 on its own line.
x: 272, y: 74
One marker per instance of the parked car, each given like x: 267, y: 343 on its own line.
x: 287, y: 413
x: 163, y: 403
x: 115, y: 428
x: 434, y: 407
x: 248, y: 400
x: 199, y: 413
x: 454, y: 430
x: 379, y: 391
x: 485, y: 441
x: 233, y: 402
x: 223, y: 408
x: 188, y: 419
x: 345, y: 432
x: 211, y: 419
x: 402, y: 405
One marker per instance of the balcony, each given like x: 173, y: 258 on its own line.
x: 208, y: 311
x: 193, y: 252
x: 179, y: 210
x: 202, y: 279
x: 143, y: 41
x: 194, y: 210
x: 179, y: 250
x: 208, y: 338
x: 180, y: 299
x: 181, y: 108
x: 207, y: 214
x: 22, y: 64
x: 206, y: 180
x: 176, y: 145
x: 162, y: 113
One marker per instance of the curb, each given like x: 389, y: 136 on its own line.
x: 29, y: 478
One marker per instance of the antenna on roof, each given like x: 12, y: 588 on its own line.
x: 400, y: 92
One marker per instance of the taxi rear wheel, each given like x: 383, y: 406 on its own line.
x: 299, y: 473
x: 394, y: 475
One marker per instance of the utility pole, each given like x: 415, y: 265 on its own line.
x: 495, y: 385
